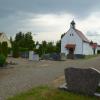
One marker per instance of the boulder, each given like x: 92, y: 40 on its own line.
x: 82, y: 80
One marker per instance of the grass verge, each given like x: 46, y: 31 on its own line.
x: 91, y: 56
x: 48, y: 93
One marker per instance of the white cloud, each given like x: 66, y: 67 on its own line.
x: 92, y: 33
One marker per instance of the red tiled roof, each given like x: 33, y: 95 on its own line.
x: 81, y: 35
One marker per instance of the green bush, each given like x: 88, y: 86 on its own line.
x: 2, y: 60
x: 21, y: 49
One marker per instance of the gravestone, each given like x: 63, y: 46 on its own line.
x: 35, y: 57
x: 31, y: 53
x: 55, y: 56
x: 45, y: 57
x: 82, y: 80
x: 52, y: 56
x: 63, y: 56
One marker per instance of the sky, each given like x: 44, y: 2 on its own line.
x: 48, y: 19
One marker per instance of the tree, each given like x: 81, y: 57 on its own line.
x: 10, y: 48
x: 37, y: 46
x: 19, y: 39
x: 40, y: 50
x: 50, y: 47
x: 44, y: 47
x: 58, y: 46
x: 37, y: 43
x: 25, y: 40
x: 19, y: 36
x: 11, y: 40
x: 0, y: 47
x: 2, y: 60
x: 29, y: 43
x: 5, y: 48
x: 15, y: 49
x: 62, y: 35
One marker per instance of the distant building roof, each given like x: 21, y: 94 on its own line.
x: 1, y: 34
x: 94, y: 45
x: 4, y: 39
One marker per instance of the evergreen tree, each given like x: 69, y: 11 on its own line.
x: 11, y: 40
x: 25, y: 40
x: 29, y: 43
x: 37, y: 43
x: 15, y: 49
x: 5, y: 48
x: 19, y: 36
x: 44, y: 47
x: 58, y: 46
x: 0, y: 47
x: 50, y: 47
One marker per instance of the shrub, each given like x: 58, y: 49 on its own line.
x: 2, y: 60
x: 98, y: 52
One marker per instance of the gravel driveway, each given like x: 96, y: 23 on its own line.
x: 27, y: 74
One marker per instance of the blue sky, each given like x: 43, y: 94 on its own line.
x: 48, y: 19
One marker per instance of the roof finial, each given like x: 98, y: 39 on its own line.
x: 72, y: 24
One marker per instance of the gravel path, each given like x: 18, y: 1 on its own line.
x: 27, y: 74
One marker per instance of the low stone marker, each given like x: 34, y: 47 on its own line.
x: 33, y: 56
x: 31, y: 53
x: 63, y: 57
x: 83, y: 81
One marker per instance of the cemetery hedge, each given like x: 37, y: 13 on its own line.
x: 48, y: 93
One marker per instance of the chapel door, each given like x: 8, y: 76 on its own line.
x: 71, y: 53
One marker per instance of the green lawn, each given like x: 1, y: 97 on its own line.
x: 48, y: 93
x: 91, y: 56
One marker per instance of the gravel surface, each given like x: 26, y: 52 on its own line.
x: 25, y: 74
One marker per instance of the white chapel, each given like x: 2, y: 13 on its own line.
x: 75, y: 43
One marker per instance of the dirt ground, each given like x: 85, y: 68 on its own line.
x: 24, y: 74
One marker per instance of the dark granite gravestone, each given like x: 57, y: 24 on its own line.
x: 82, y: 80
x: 51, y: 56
